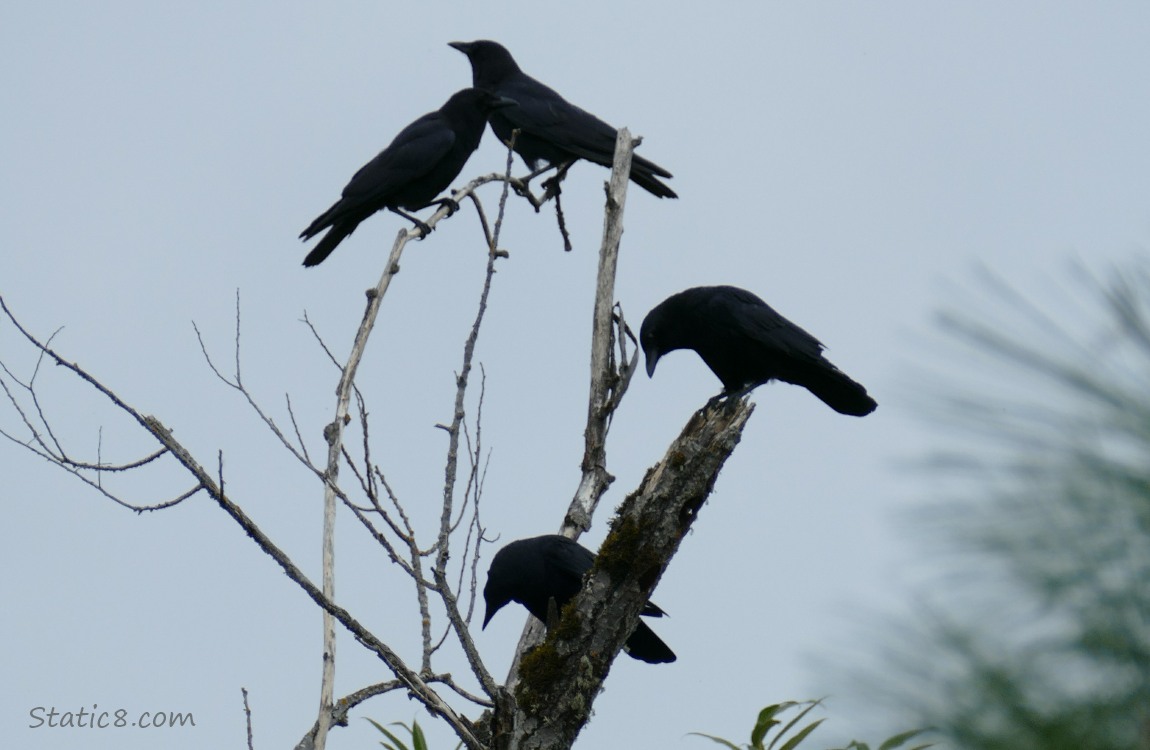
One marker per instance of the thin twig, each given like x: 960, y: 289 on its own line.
x: 562, y: 221
x: 237, y: 384
x: 319, y: 340
x: 248, y: 717
x: 333, y: 433
x: 442, y: 543
x: 295, y: 427
x: 343, y: 706
x: 209, y: 484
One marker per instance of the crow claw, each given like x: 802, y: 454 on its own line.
x: 451, y: 203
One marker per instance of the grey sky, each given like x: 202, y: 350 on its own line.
x: 846, y: 162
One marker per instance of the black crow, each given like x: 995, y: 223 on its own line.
x: 537, y: 570
x: 552, y: 129
x: 746, y: 343
x: 417, y: 166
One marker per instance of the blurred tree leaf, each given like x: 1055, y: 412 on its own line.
x: 1038, y: 637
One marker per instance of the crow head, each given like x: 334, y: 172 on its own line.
x: 490, y: 61
x: 652, y: 337
x: 496, y: 593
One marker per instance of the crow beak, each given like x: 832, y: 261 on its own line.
x: 500, y: 102
x: 652, y: 357
x: 487, y: 618
x: 464, y: 47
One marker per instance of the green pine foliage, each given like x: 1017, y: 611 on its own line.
x: 1038, y: 637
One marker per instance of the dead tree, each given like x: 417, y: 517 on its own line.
x: 548, y: 697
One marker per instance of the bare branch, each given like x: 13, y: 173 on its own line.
x: 445, y: 526
x: 319, y: 340
x: 338, y: 715
x: 343, y: 706
x: 562, y: 221
x: 521, y: 185
x: 408, y: 532
x: 248, y: 717
x: 239, y: 381
x: 408, y: 567
x: 610, y: 377
x: 295, y: 428
x: 334, y: 435
x: 418, y: 687
x: 622, y: 375
x: 36, y: 401
x: 601, y: 401
x: 471, y: 491
x: 213, y: 486
x: 55, y: 453
x: 208, y: 358
x: 300, y: 454
x: 446, y: 679
x: 477, y: 478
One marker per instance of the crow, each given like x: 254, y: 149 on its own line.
x: 535, y: 571
x: 417, y: 166
x: 746, y: 343
x: 552, y: 129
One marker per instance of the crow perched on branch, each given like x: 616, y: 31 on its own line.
x: 537, y: 570
x: 417, y: 166
x: 746, y: 343
x: 552, y: 129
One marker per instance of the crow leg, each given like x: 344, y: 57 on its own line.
x: 451, y: 203
x: 740, y: 392
x: 527, y: 178
x: 551, y: 186
x: 522, y: 185
x: 734, y: 395
x: 423, y: 226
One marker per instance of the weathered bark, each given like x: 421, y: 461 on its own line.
x: 607, y: 383
x: 560, y: 679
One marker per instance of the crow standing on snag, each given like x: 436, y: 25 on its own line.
x: 417, y: 166
x: 552, y: 130
x: 551, y: 567
x: 746, y: 343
